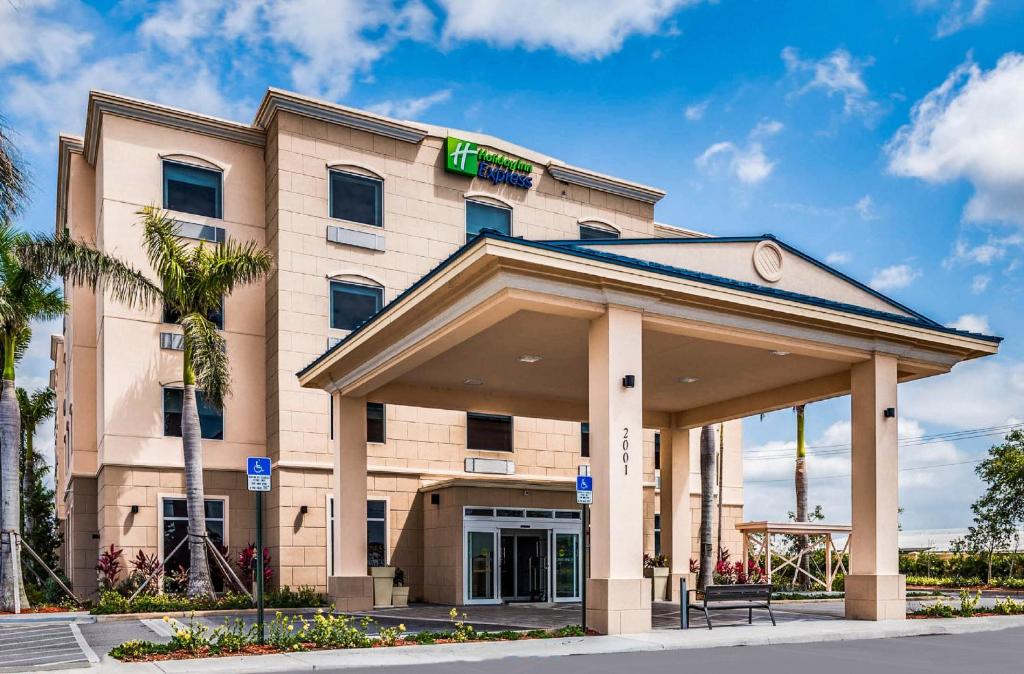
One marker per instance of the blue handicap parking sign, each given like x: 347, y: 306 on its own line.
x: 257, y: 465
x: 584, y: 483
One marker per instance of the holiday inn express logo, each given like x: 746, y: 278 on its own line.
x: 469, y: 159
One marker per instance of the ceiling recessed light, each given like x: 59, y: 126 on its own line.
x: 473, y: 382
x: 688, y: 380
x: 530, y: 358
x: 780, y: 353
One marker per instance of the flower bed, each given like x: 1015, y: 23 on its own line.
x: 113, y: 602
x: 325, y: 631
x: 968, y: 608
x: 972, y: 582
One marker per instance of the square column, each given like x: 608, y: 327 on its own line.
x: 350, y: 588
x: 676, y: 515
x: 875, y: 589
x: 618, y: 596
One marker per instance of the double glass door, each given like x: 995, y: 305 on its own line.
x: 524, y: 566
x: 535, y: 565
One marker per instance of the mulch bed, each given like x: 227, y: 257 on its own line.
x: 40, y: 609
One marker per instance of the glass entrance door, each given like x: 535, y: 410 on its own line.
x: 567, y: 565
x: 524, y: 566
x: 481, y: 562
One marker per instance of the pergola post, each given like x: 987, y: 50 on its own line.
x: 676, y: 518
x: 875, y: 590
x: 618, y: 596
x: 350, y: 588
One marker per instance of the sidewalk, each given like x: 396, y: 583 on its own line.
x: 756, y: 635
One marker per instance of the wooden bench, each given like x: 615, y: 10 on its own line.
x: 729, y: 597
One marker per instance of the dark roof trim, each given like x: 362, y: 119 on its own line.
x: 632, y: 263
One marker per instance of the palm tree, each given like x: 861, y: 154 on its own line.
x: 35, y: 409
x: 800, y: 483
x: 194, y: 280
x: 13, y: 178
x: 707, y: 502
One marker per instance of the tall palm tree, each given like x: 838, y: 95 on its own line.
x: 800, y: 484
x: 35, y: 409
x: 193, y: 279
x: 13, y: 177
x: 707, y: 503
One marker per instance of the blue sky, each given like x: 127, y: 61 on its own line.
x: 884, y: 137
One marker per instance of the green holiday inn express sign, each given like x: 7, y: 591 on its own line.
x: 469, y: 159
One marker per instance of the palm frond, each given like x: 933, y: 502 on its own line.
x: 14, y: 179
x: 83, y: 265
x: 166, y: 253
x: 235, y: 263
x: 207, y: 352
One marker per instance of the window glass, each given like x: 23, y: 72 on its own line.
x: 483, y: 216
x: 356, y: 198
x: 190, y: 189
x: 657, y: 451
x: 215, y: 316
x: 489, y: 432
x: 375, y: 422
x: 192, y: 230
x: 376, y: 533
x: 657, y: 534
x: 585, y: 439
x: 353, y: 304
x: 175, y: 528
x: 587, y: 233
x: 211, y: 419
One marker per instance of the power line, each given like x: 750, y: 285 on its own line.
x: 836, y: 477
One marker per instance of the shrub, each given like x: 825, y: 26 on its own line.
x: 1008, y: 607
x: 304, y: 597
x: 462, y: 632
x: 570, y: 631
x: 282, y: 633
x: 938, y: 609
x: 337, y: 631
x: 108, y: 566
x: 655, y: 561
x: 969, y: 603
x: 232, y: 637
x: 132, y: 650
x: 192, y: 637
x: 144, y: 566
x: 389, y: 636
x: 246, y: 564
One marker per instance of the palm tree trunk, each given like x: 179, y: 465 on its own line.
x: 199, y: 584
x: 10, y: 499
x: 707, y: 498
x: 800, y: 483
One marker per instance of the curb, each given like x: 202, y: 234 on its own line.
x: 794, y: 633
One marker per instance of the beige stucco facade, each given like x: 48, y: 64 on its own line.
x: 115, y: 465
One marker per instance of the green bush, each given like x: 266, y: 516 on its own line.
x: 304, y: 597
x: 338, y: 631
x: 1008, y: 607
x: 232, y: 637
x: 287, y: 633
x: 570, y: 631
x: 131, y: 650
x: 114, y: 602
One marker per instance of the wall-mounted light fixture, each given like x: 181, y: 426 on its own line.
x: 889, y: 413
x: 303, y: 510
x: 629, y: 381
x: 135, y: 510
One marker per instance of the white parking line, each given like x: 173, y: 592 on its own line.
x: 90, y: 654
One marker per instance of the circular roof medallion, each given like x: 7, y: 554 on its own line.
x: 768, y: 261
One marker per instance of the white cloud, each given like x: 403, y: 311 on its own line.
x: 956, y: 14
x: 971, y: 323
x: 31, y: 33
x: 837, y: 257
x: 992, y: 250
x: 979, y: 283
x: 582, y: 30
x: 749, y: 164
x: 410, y: 108
x: 695, y: 111
x: 895, y: 277
x: 865, y: 208
x: 976, y: 394
x: 837, y: 74
x: 971, y: 127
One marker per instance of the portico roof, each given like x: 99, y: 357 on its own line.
x: 715, y: 346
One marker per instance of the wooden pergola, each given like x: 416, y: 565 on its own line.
x: 761, y: 542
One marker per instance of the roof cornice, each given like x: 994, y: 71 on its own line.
x: 277, y: 100
x: 603, y: 183
x: 66, y: 145
x: 103, y: 103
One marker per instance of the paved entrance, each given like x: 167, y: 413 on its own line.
x: 42, y: 645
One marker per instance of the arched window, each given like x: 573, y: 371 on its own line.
x: 597, y: 229
x: 354, y: 300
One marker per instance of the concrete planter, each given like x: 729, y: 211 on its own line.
x: 383, y: 585
x: 659, y: 582
x: 400, y: 596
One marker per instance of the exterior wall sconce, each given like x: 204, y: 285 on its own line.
x: 890, y: 413
x: 303, y: 510
x: 135, y: 510
x: 629, y: 381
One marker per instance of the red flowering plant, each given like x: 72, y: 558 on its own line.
x: 247, y: 565
x: 108, y: 566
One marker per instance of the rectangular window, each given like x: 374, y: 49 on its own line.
x: 356, y: 198
x: 353, y: 304
x: 483, y: 216
x: 215, y: 316
x: 657, y: 451
x: 191, y: 189
x: 588, y: 233
x: 376, y: 533
x: 584, y: 439
x: 192, y: 230
x: 657, y: 534
x: 375, y: 428
x: 211, y: 419
x: 490, y: 432
x: 175, y: 528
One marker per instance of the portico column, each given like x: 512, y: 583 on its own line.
x: 875, y: 590
x: 350, y: 587
x: 676, y: 516
x: 618, y: 596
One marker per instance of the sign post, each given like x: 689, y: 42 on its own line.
x: 584, y: 497
x: 257, y: 469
